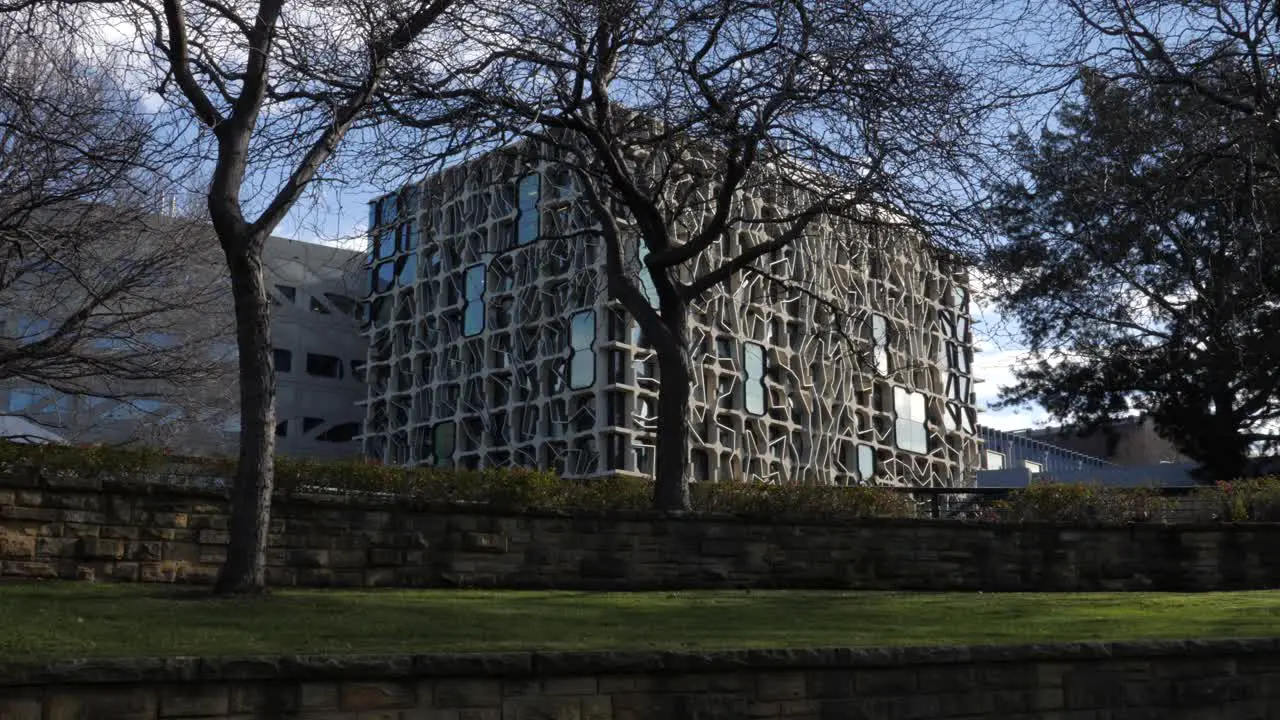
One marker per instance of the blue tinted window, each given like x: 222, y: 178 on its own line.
x: 386, y: 244
x: 473, y: 300
x: 384, y: 276
x: 582, y: 359
x: 442, y: 442
x: 409, y: 235
x: 529, y: 191
x: 647, y: 287
x: 33, y: 329
x: 753, y: 368
x: 24, y: 399
x: 407, y: 269
x: 880, y: 343
x: 388, y: 214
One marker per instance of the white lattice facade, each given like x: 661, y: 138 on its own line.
x: 493, y: 343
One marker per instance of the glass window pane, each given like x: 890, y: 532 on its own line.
x: 530, y: 189
x: 582, y: 330
x: 384, y: 276
x: 409, y: 236
x: 407, y: 269
x: 473, y: 319
x: 22, y: 399
x: 995, y: 460
x: 473, y: 283
x: 582, y: 369
x: 916, y: 409
x: 386, y: 246
x: 442, y: 442
x: 33, y: 329
x: 911, y: 435
x: 388, y: 214
x: 866, y: 462
x: 880, y: 343
x: 754, y: 367
x: 753, y: 398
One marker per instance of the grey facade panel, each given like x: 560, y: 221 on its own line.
x: 317, y: 312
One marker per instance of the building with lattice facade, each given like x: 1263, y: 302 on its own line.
x: 492, y: 342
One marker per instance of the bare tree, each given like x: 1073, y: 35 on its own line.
x: 674, y: 114
x: 1226, y: 52
x: 101, y: 298
x: 275, y: 87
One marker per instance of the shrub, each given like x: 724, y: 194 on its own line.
x: 800, y: 500
x: 1079, y: 502
x: 93, y: 461
x: 1251, y: 500
x: 511, y: 489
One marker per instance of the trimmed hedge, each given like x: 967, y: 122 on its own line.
x: 516, y: 489
x: 512, y: 489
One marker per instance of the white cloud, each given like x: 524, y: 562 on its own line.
x: 997, y: 353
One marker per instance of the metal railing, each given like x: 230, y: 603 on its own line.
x: 956, y: 503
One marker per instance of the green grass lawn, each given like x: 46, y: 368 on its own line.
x: 64, y: 620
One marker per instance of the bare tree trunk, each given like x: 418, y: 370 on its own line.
x: 671, y: 485
x: 244, y: 571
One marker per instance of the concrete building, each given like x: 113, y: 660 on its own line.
x: 1130, y: 442
x: 318, y: 351
x: 492, y: 342
x: 1011, y: 450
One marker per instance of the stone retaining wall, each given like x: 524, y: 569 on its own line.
x: 1167, y: 680
x: 133, y: 531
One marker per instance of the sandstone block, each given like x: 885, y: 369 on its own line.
x: 383, y: 557
x: 309, y: 558
x: 15, y: 707
x: 120, y: 532
x: 21, y: 568
x: 376, y: 695
x: 146, y: 551
x: 543, y: 708
x: 127, y: 571
x: 346, y: 559
x: 264, y: 699
x: 194, y: 701
x: 317, y: 696
x: 14, y: 545
x: 781, y: 685
x: 160, y: 571
x: 212, y: 554
x: 484, y: 542
x: 467, y: 693
x: 570, y: 686
x: 93, y: 548
x: 18, y: 512
x: 102, y: 704
x: 213, y: 537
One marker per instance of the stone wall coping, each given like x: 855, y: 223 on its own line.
x: 560, y: 664
x: 185, y: 487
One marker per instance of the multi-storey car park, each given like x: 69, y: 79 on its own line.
x: 493, y: 343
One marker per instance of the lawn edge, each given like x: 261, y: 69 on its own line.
x: 544, y: 664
